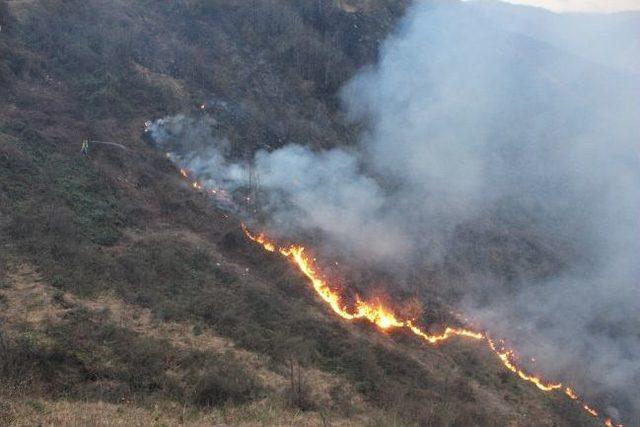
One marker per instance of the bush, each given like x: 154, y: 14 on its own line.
x: 298, y: 395
x: 7, y: 415
x: 5, y: 16
x: 226, y: 381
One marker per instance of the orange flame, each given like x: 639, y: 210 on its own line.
x: 448, y: 333
x: 609, y: 423
x: 377, y: 314
x: 218, y: 193
x: 572, y: 394
x: 384, y: 318
x: 506, y: 356
x: 261, y: 239
x: 590, y: 410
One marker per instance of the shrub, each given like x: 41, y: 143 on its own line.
x: 226, y: 381
x: 298, y: 394
x: 7, y: 414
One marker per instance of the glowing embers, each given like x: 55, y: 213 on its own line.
x: 217, y: 193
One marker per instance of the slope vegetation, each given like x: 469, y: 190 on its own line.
x: 125, y: 297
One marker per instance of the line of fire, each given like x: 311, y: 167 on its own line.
x: 387, y: 320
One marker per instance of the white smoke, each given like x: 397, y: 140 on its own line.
x: 472, y: 125
x: 468, y: 117
x: 328, y: 192
x: 303, y: 190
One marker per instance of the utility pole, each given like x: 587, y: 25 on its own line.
x: 253, y: 181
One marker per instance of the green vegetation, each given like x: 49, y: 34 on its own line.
x: 88, y: 357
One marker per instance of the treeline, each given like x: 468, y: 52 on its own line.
x: 278, y: 63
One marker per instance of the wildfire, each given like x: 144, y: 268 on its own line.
x: 448, y: 333
x: 590, y: 410
x: 572, y: 394
x: 506, y: 356
x: 296, y: 253
x: 218, y: 193
x: 377, y: 313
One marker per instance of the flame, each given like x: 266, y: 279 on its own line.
x: 572, y: 394
x: 449, y: 332
x: 507, y: 356
x: 260, y: 239
x: 296, y: 253
x: 377, y: 314
x: 218, y: 193
x: 386, y: 319
x: 383, y: 317
x: 590, y: 410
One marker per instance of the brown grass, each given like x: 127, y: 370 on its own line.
x: 30, y: 302
x: 66, y: 413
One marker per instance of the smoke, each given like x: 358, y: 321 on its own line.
x: 498, y: 155
x: 482, y: 128
x: 302, y: 190
x: 328, y: 192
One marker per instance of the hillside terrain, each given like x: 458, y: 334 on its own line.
x: 128, y: 298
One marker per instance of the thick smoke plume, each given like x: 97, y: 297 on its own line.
x: 473, y: 125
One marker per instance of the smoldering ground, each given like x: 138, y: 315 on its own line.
x: 475, y: 126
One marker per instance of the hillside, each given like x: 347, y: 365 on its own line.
x: 127, y: 298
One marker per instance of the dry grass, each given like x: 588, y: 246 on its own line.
x: 31, y: 303
x: 66, y: 413
x: 19, y: 8
x: 161, y: 80
x: 149, y: 199
x: 28, y: 299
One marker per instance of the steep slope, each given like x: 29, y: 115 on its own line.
x: 125, y: 295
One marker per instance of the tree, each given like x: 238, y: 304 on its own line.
x: 5, y: 16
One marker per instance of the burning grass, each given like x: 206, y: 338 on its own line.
x: 386, y: 319
x: 171, y: 283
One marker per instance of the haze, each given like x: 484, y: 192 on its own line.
x: 596, y: 6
